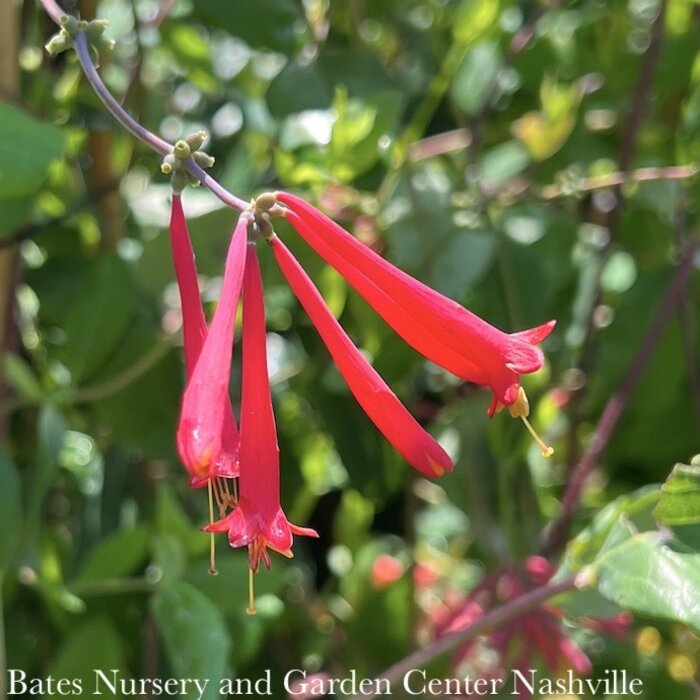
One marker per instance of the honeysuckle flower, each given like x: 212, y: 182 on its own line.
x: 258, y: 521
x: 535, y: 635
x: 194, y: 331
x: 201, y: 438
x: 438, y: 327
x: 386, y: 570
x: 380, y: 403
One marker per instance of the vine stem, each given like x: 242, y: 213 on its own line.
x: 555, y: 536
x: 674, y: 172
x: 494, y: 618
x: 128, y: 122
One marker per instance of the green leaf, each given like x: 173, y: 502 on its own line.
x: 302, y: 85
x: 51, y: 430
x: 680, y: 496
x: 143, y: 413
x: 171, y: 520
x: 10, y: 509
x: 95, y: 645
x: 474, y: 18
x: 15, y: 213
x: 229, y: 590
x: 272, y: 24
x: 476, y: 75
x: 27, y: 146
x: 650, y: 576
x: 503, y: 162
x: 194, y: 635
x: 610, y: 526
x: 100, y: 315
x: 119, y: 555
x: 21, y: 378
x: 359, y: 125
x: 462, y: 262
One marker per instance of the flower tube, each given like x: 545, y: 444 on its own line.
x: 205, y: 404
x: 378, y: 401
x: 441, y: 329
x: 194, y: 331
x: 258, y: 520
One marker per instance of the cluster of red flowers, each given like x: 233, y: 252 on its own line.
x: 535, y: 636
x: 217, y: 453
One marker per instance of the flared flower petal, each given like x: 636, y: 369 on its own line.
x: 205, y: 435
x: 258, y: 521
x: 438, y: 327
x: 378, y: 401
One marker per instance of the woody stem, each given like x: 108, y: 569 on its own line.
x: 556, y: 534
x: 492, y: 619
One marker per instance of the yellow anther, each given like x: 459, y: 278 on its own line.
x: 521, y: 409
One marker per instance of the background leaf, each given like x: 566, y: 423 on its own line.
x: 195, y: 638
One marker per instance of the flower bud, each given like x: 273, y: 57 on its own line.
x: 196, y: 140
x: 179, y: 181
x: 168, y: 164
x: 265, y: 201
x: 203, y: 160
x: 57, y: 44
x: 181, y: 150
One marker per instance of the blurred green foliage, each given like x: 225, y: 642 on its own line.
x: 459, y: 138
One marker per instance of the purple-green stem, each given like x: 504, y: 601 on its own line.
x: 555, y: 536
x: 492, y: 619
x: 128, y: 122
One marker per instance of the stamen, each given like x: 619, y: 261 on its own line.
x: 220, y: 498
x: 521, y: 409
x: 212, y: 541
x: 251, y: 610
x: 547, y: 450
x: 231, y: 501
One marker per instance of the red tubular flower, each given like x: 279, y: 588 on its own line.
x: 194, y: 331
x: 438, y: 327
x: 201, y: 434
x: 537, y: 632
x: 380, y: 403
x: 258, y: 521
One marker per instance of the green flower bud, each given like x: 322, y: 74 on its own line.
x: 264, y: 227
x: 265, y: 201
x: 57, y: 44
x: 97, y: 27
x: 181, y: 150
x: 168, y: 164
x: 203, y: 160
x: 179, y: 181
x: 104, y: 44
x: 196, y: 140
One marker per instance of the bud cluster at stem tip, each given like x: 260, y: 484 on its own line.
x: 94, y: 30
x: 174, y: 162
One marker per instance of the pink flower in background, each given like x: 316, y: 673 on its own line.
x: 194, y: 331
x: 436, y: 326
x: 258, y: 521
x: 386, y: 570
x: 536, y: 635
x: 201, y: 437
x: 380, y: 403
